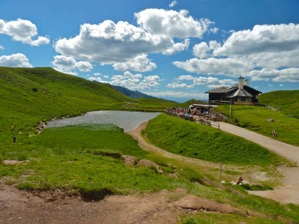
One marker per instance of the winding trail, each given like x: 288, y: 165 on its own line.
x: 136, y: 134
x: 289, y: 191
x: 287, y: 151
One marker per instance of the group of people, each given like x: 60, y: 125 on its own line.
x: 181, y: 112
x: 195, y: 113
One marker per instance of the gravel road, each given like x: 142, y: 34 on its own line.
x: 289, y: 192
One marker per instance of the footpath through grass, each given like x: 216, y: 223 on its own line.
x: 200, y: 141
x: 263, y: 120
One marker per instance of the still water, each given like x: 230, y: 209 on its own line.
x: 127, y: 120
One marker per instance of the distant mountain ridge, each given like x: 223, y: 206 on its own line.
x: 132, y: 94
x: 30, y: 95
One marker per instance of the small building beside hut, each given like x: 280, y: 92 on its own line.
x: 240, y: 93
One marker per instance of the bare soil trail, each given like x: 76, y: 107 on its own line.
x: 205, y: 166
x: 137, y: 134
x: 289, y: 192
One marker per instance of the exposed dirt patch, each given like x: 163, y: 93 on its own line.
x: 64, y: 207
x: 15, y: 162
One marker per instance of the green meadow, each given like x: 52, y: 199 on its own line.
x: 72, y: 159
x: 86, y: 159
x: 29, y: 95
x: 284, y: 101
x: 263, y: 120
x: 202, y: 142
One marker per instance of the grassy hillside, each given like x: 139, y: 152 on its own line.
x: 286, y: 101
x: 263, y: 120
x: 73, y: 159
x: 29, y: 95
x: 78, y: 159
x: 199, y: 141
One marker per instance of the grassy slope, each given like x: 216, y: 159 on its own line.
x: 70, y: 159
x: 286, y: 101
x: 59, y: 159
x: 199, y: 141
x: 255, y: 119
x: 34, y: 94
x: 29, y: 95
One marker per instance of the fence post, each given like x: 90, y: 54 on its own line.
x: 218, y: 126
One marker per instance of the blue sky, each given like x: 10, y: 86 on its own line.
x: 171, y: 49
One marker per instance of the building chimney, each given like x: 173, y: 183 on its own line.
x: 246, y: 82
x: 241, y: 82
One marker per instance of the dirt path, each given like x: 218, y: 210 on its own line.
x: 289, y: 152
x: 20, y: 207
x: 164, y: 207
x: 57, y: 207
x: 137, y: 134
x: 289, y: 192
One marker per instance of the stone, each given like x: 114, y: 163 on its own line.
x: 129, y: 160
x: 148, y: 163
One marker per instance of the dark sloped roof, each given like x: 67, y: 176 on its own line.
x: 249, y: 92
x: 252, y: 90
x: 222, y: 89
x: 240, y: 92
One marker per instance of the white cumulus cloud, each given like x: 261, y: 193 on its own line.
x: 189, y: 81
x: 283, y: 75
x: 110, y: 42
x: 14, y: 60
x: 172, y: 23
x: 140, y: 63
x: 265, y: 52
x: 262, y: 38
x: 22, y: 30
x: 175, y: 85
x: 216, y: 66
x: 135, y: 81
x: 201, y: 50
x: 68, y: 64
x: 177, y: 47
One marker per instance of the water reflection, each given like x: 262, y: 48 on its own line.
x: 128, y: 120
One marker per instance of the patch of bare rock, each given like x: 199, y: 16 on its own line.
x: 132, y: 160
